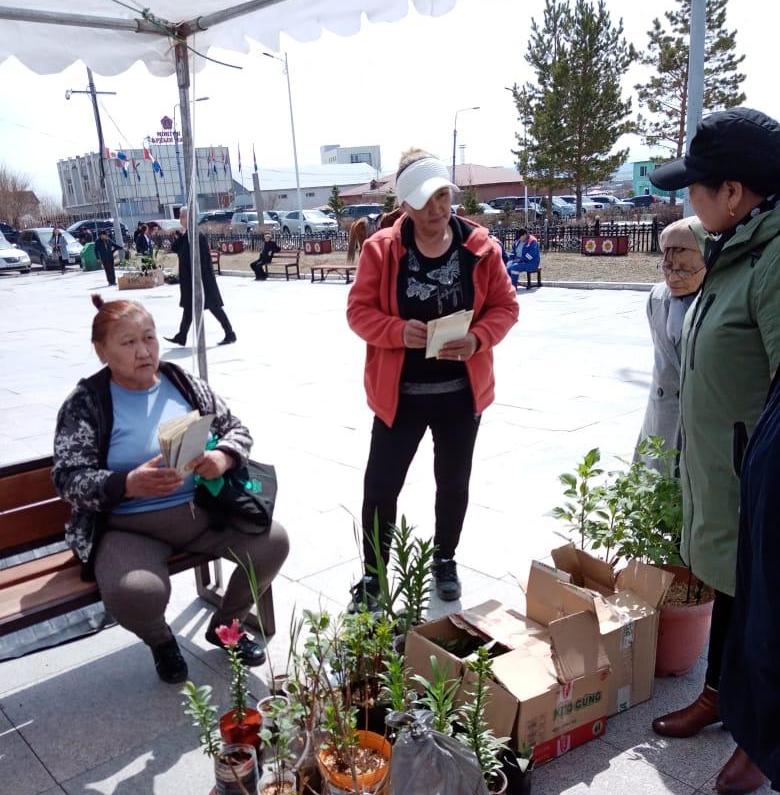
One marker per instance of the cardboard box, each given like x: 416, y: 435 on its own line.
x: 550, y: 687
x: 135, y: 280
x: 626, y: 607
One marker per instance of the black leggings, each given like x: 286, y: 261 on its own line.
x: 454, y: 428
x: 719, y: 630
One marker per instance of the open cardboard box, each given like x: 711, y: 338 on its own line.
x: 550, y: 688
x: 626, y: 606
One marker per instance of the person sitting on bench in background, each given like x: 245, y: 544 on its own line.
x: 270, y: 247
x: 130, y: 513
x: 525, y: 256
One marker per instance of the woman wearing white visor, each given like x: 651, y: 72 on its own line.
x: 429, y: 264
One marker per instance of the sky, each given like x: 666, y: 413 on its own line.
x: 397, y: 85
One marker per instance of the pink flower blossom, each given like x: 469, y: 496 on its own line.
x: 230, y: 636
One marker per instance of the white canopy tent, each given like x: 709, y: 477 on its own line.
x: 163, y: 41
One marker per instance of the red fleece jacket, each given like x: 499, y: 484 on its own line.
x: 372, y: 313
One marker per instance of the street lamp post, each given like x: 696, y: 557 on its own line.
x: 292, y: 130
x: 176, y: 146
x: 455, y: 138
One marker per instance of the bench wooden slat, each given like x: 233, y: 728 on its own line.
x: 26, y: 488
x: 33, y: 525
x: 33, y: 569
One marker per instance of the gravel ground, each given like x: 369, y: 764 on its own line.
x: 556, y: 266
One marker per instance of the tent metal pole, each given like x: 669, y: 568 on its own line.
x: 81, y: 20
x: 183, y: 79
x: 209, y: 20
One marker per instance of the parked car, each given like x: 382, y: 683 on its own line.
x: 647, y: 200
x: 516, y: 203
x: 10, y: 233
x: 587, y: 205
x: 216, y: 217
x: 246, y: 222
x: 354, y: 211
x: 560, y: 208
x: 96, y: 225
x: 313, y: 221
x: 609, y: 202
x: 275, y: 215
x: 12, y: 258
x: 36, y: 243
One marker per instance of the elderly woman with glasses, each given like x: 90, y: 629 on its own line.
x: 683, y: 268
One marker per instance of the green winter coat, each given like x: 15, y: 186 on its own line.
x: 731, y: 349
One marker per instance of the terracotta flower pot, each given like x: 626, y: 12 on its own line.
x: 244, y: 732
x: 368, y: 782
x: 683, y: 630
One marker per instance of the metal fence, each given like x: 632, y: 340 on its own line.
x: 642, y: 237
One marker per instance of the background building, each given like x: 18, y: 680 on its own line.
x: 334, y: 153
x: 277, y: 186
x: 142, y: 191
x: 640, y: 182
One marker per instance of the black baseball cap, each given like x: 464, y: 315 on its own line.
x: 740, y: 144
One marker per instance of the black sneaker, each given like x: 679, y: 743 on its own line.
x: 365, y: 595
x: 249, y: 652
x: 445, y: 573
x: 176, y: 340
x: 230, y: 338
x: 170, y: 665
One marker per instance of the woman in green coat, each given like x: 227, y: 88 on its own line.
x: 731, y: 350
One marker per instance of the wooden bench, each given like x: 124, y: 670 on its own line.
x: 215, y: 258
x: 324, y: 270
x: 32, y: 518
x: 528, y: 275
x: 283, y: 263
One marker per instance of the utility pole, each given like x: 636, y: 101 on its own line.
x: 695, y: 81
x: 106, y: 186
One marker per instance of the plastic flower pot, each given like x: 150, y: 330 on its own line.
x: 263, y: 706
x: 498, y: 784
x: 683, y: 629
x: 272, y: 784
x: 243, y: 732
x: 339, y: 782
x: 235, y: 771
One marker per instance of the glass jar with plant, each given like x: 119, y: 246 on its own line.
x: 241, y: 724
x: 235, y: 765
x: 477, y: 735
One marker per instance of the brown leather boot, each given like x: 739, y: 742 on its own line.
x: 739, y: 776
x: 692, y: 719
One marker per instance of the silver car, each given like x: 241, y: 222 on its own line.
x: 36, y: 243
x: 246, y: 222
x: 314, y: 221
x: 12, y: 258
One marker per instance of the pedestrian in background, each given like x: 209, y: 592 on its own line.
x: 104, y: 249
x: 212, y: 298
x: 683, y: 269
x: 259, y: 266
x: 730, y: 351
x: 59, y: 248
x: 428, y: 264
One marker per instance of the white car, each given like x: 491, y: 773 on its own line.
x: 587, y: 205
x: 12, y: 258
x: 246, y: 222
x: 314, y: 221
x: 609, y: 202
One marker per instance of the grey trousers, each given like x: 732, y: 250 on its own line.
x: 131, y: 565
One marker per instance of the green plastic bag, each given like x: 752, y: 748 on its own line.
x: 89, y: 260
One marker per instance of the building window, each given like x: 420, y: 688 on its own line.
x: 361, y: 157
x: 642, y: 171
x: 282, y: 195
x: 310, y: 194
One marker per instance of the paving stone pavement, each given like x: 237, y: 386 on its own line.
x: 92, y: 717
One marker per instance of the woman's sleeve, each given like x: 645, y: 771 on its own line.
x: 364, y: 312
x: 76, y: 472
x: 500, y: 311
x: 767, y: 310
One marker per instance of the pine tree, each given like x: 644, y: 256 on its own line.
x: 470, y: 201
x: 573, y: 113
x: 541, y: 104
x: 389, y: 203
x: 336, y: 203
x: 598, y: 56
x: 665, y: 94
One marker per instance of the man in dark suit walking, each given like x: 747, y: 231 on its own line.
x: 211, y: 296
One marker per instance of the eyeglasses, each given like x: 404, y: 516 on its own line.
x: 679, y: 273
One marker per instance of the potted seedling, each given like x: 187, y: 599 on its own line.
x: 438, y: 695
x: 235, y: 765
x: 637, y: 514
x: 241, y: 724
x: 477, y: 735
x: 349, y: 759
x: 279, y: 773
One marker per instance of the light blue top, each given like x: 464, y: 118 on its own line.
x: 137, y: 416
